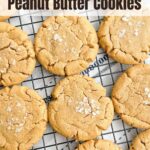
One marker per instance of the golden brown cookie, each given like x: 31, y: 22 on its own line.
x: 66, y: 45
x: 142, y: 141
x: 3, y: 18
x: 17, y: 57
x: 131, y: 96
x: 125, y: 39
x: 98, y: 145
x: 23, y: 118
x: 79, y: 108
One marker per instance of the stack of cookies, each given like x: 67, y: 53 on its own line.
x: 79, y: 108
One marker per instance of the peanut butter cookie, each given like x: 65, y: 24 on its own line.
x: 3, y: 18
x: 66, y: 45
x: 23, y: 118
x: 142, y: 141
x: 125, y: 39
x: 131, y: 96
x: 98, y: 145
x: 79, y: 108
x: 17, y: 57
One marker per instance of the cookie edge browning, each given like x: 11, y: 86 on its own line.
x: 106, y: 43
x: 82, y: 64
x: 27, y: 43
x: 95, y: 142
x: 138, y: 139
x: 109, y: 114
x: 121, y: 82
x: 3, y: 18
x: 34, y: 139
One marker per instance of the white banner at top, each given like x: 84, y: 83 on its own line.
x: 75, y: 7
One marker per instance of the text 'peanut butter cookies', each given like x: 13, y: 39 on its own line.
x: 142, y: 141
x: 23, y: 118
x: 98, y: 145
x: 131, y: 96
x: 66, y: 45
x: 126, y: 39
x: 17, y: 57
x: 79, y: 108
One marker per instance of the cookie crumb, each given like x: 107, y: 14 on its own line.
x: 122, y: 33
x: 58, y: 38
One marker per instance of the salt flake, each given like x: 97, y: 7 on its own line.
x: 146, y: 90
x: 57, y: 38
x: 136, y: 32
x: 8, y: 109
x: 125, y: 18
x: 122, y: 33
x: 146, y: 102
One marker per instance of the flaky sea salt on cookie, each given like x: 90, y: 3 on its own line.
x: 125, y: 39
x: 66, y: 45
x: 98, y: 145
x: 79, y: 108
x: 131, y: 96
x: 17, y: 57
x: 23, y: 118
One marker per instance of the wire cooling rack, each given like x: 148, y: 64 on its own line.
x: 103, y: 70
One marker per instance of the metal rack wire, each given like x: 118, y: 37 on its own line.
x: 104, y: 70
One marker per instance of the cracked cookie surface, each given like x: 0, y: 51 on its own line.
x: 79, y: 108
x: 3, y: 18
x: 66, y: 45
x: 98, y: 145
x: 17, y: 56
x: 142, y: 141
x: 131, y: 96
x: 23, y: 118
x: 125, y: 39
